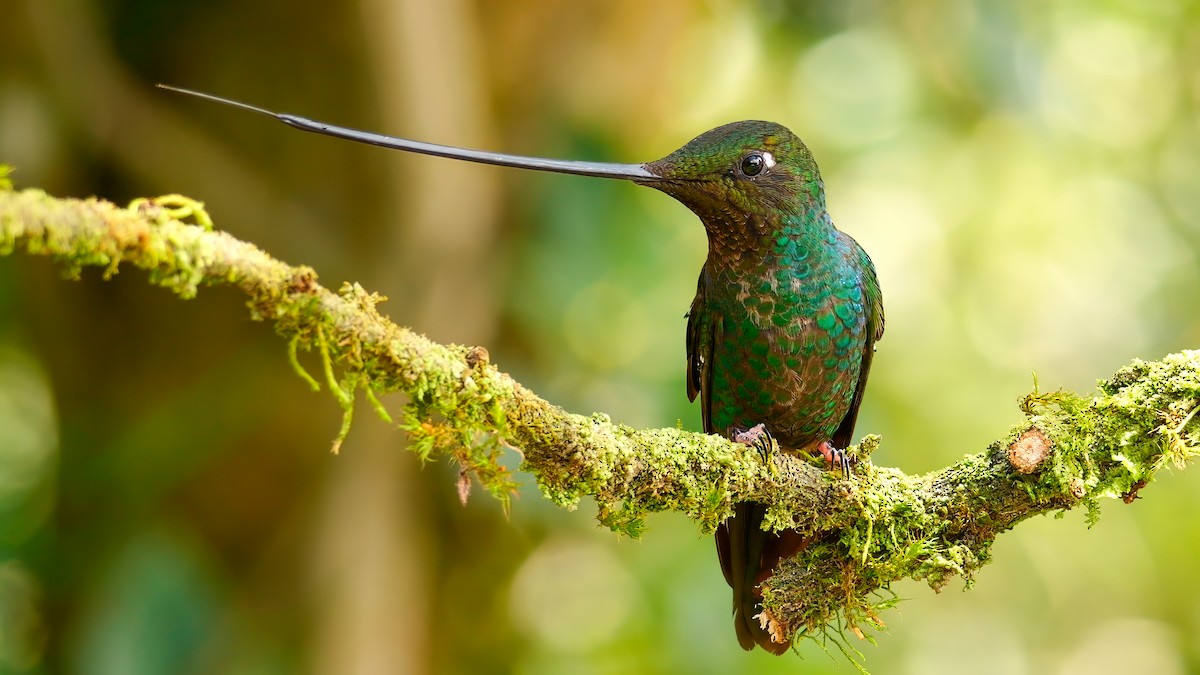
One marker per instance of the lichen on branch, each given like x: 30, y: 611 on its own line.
x: 877, y: 527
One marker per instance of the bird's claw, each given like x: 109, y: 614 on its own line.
x: 761, y: 440
x: 836, y: 457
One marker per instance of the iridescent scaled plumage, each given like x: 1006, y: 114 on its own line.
x: 793, y: 334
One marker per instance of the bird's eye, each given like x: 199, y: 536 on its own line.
x: 756, y: 163
x: 752, y: 164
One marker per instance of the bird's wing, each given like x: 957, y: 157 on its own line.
x: 703, y: 332
x: 873, y: 300
x: 704, y: 325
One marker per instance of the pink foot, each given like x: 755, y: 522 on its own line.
x: 751, y: 435
x: 759, y: 438
x: 836, y: 458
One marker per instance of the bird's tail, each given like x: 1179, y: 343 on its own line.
x: 748, y: 557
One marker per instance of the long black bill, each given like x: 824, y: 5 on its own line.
x: 634, y: 172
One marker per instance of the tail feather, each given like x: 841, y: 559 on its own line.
x: 748, y: 555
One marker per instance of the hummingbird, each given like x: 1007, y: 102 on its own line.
x: 782, y: 331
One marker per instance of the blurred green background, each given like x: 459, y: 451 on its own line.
x: 1025, y: 175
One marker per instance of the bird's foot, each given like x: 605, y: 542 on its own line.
x: 836, y: 458
x: 760, y: 439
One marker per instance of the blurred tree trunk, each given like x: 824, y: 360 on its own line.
x: 434, y: 237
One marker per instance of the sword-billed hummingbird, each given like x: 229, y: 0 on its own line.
x: 782, y: 330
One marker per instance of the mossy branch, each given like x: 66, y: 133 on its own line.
x: 877, y: 527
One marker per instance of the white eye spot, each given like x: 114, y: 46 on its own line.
x: 768, y: 160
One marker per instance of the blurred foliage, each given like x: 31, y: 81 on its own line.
x: 1023, y: 174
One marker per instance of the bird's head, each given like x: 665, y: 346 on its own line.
x: 740, y: 179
